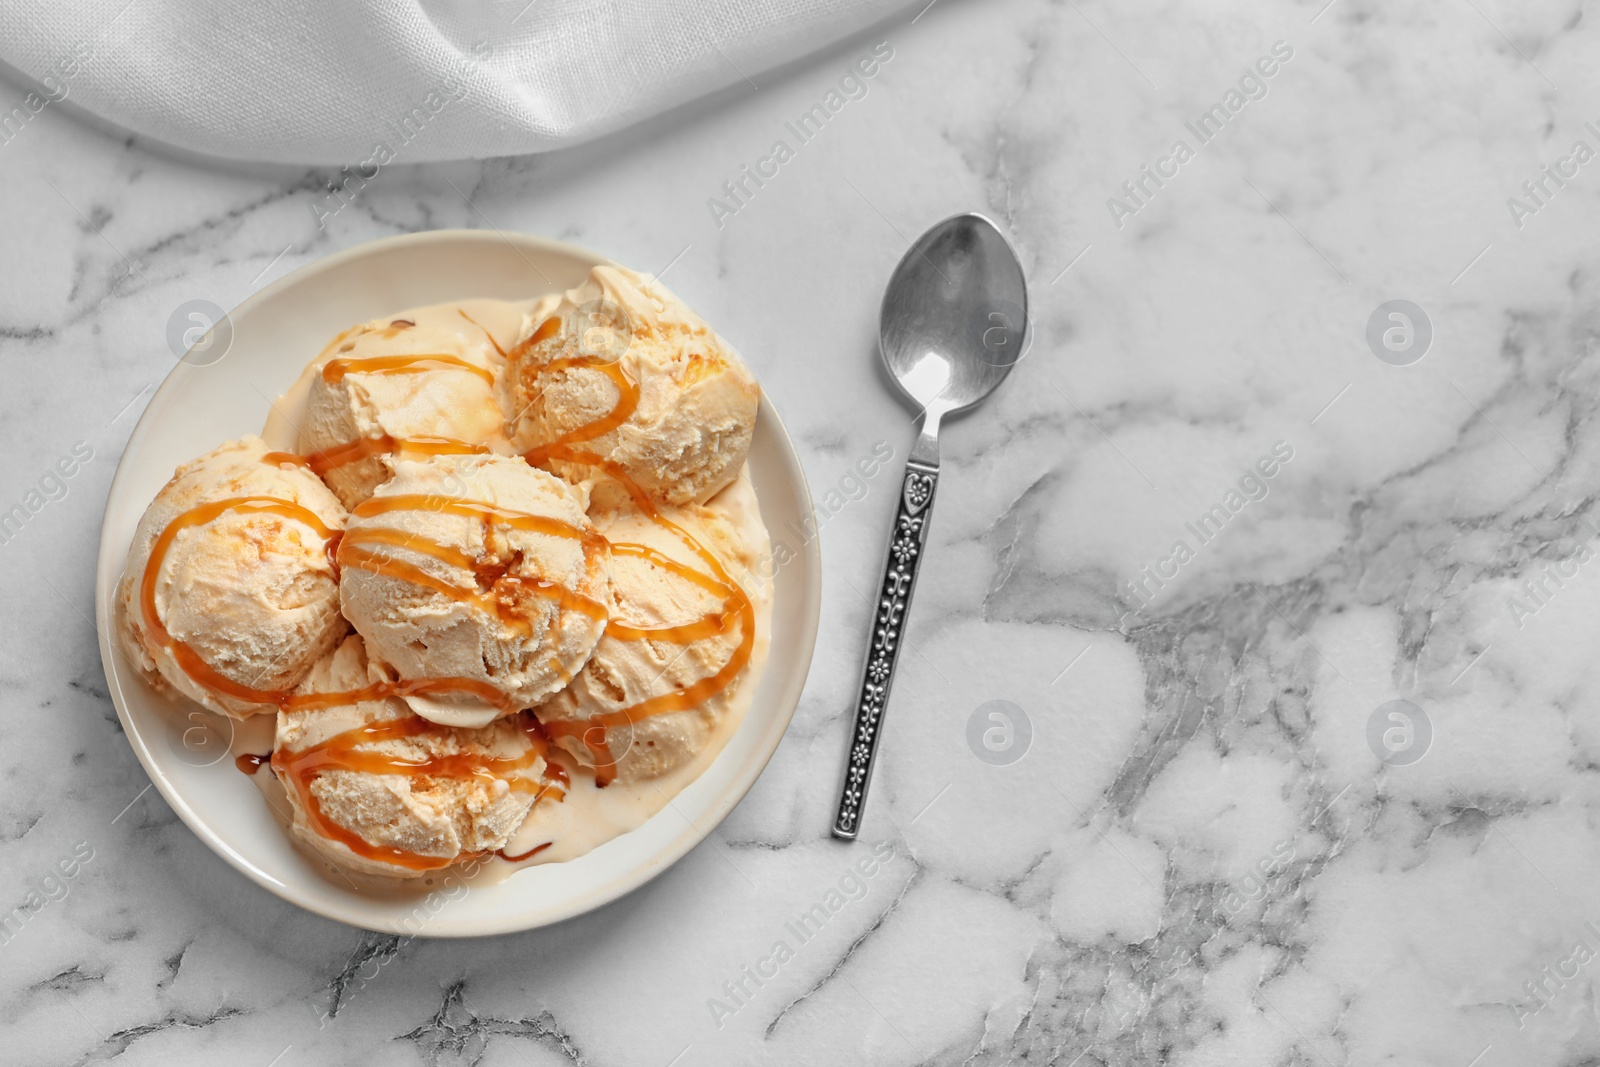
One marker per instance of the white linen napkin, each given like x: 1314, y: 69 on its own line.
x: 325, y: 81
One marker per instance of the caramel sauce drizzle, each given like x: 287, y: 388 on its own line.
x: 346, y: 752
x: 335, y: 369
x: 462, y: 312
x: 520, y: 856
x: 502, y: 589
x: 594, y: 731
x: 627, y: 393
x: 185, y: 656
x: 320, y: 463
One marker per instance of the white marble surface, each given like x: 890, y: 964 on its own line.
x: 1200, y: 860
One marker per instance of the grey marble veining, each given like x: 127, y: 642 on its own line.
x: 1202, y: 857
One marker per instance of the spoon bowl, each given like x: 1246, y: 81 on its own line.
x: 955, y: 315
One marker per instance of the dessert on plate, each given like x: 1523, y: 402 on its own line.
x: 619, y: 375
x: 681, y: 629
x: 495, y: 574
x: 425, y: 376
x: 230, y: 594
x: 481, y: 569
x: 374, y: 787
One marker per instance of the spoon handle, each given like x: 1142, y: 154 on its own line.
x: 901, y: 564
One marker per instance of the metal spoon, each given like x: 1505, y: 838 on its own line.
x: 954, y: 323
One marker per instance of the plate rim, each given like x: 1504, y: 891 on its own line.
x: 107, y: 562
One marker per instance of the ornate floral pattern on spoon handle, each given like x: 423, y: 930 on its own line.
x: 903, y: 561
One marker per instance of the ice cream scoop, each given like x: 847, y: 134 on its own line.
x: 424, y: 376
x: 378, y: 789
x: 676, y: 647
x: 229, y: 594
x: 479, y: 579
x: 618, y: 376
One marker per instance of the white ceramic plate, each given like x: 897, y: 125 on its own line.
x: 275, y: 333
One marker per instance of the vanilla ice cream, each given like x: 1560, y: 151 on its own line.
x: 481, y: 574
x: 553, y: 560
x: 229, y: 595
x: 422, y: 375
x: 377, y: 789
x: 620, y: 372
x: 677, y: 647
